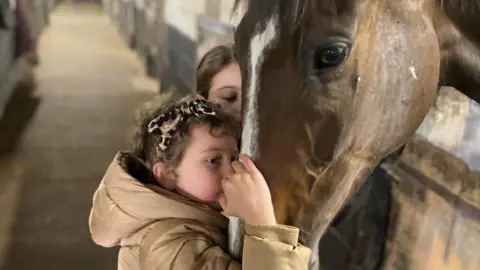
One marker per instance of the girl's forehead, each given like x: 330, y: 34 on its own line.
x: 229, y: 76
x: 205, y: 138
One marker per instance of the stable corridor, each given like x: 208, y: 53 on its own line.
x: 57, y: 139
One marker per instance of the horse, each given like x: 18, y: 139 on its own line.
x: 331, y: 87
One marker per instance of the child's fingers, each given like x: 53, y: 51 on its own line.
x: 249, y: 165
x: 226, y: 184
x: 238, y: 167
x: 222, y: 200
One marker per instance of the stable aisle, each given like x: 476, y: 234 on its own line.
x: 57, y: 140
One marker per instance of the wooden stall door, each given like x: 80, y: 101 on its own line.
x: 435, y: 218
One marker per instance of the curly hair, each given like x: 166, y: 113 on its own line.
x: 145, y: 143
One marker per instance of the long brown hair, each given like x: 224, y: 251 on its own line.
x: 212, y: 62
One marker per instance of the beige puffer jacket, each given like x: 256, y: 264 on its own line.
x: 158, y: 229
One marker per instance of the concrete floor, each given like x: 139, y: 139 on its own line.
x: 57, y: 140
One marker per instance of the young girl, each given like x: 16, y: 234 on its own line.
x: 161, y: 202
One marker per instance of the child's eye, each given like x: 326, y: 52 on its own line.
x: 231, y: 99
x: 214, y: 160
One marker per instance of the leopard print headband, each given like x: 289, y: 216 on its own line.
x: 168, y: 123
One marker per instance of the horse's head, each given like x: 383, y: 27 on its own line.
x: 330, y: 88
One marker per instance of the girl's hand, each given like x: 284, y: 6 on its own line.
x: 246, y: 194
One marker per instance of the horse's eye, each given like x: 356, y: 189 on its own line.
x: 330, y: 56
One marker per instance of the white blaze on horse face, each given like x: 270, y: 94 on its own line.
x: 258, y: 45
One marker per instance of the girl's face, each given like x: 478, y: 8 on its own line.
x: 206, y: 160
x: 226, y: 90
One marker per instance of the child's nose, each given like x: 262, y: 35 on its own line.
x: 227, y: 169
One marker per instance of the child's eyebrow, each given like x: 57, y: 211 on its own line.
x: 231, y: 150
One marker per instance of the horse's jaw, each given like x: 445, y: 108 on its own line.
x: 335, y: 184
x: 340, y: 179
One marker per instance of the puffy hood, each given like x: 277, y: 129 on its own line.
x: 122, y: 205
